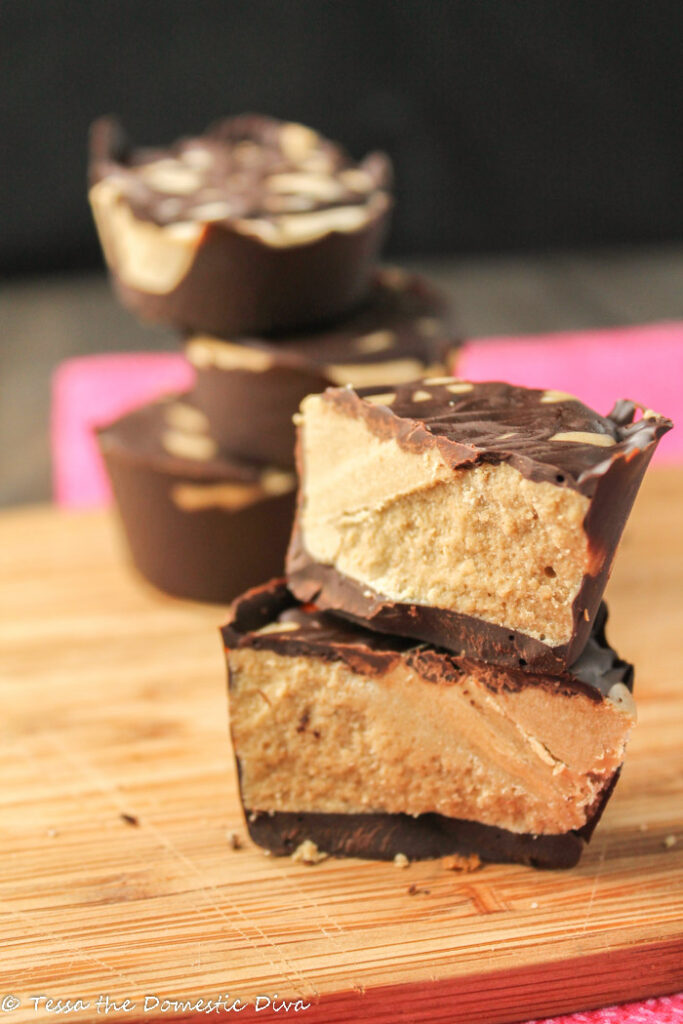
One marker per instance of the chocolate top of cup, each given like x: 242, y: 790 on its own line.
x: 172, y: 435
x: 251, y: 167
x: 545, y: 434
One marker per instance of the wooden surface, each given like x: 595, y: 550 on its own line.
x: 46, y: 320
x: 113, y: 703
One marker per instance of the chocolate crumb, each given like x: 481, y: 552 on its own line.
x: 234, y: 841
x: 303, y: 722
x: 129, y: 819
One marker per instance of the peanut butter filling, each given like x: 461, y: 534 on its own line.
x: 314, y: 736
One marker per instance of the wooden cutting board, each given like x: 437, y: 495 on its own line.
x: 117, y: 797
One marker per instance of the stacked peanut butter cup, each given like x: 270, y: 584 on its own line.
x: 433, y: 676
x: 258, y: 241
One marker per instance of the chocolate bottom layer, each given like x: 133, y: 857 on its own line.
x: 382, y: 836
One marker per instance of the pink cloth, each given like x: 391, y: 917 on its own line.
x: 643, y: 363
x: 666, y: 1010
x: 90, y: 391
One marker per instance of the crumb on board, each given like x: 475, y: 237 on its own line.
x: 456, y: 862
x: 234, y: 841
x: 669, y: 842
x: 308, y: 853
x: 415, y: 890
x: 52, y: 833
x: 129, y: 819
x: 401, y: 861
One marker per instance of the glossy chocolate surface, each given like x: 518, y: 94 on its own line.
x: 544, y: 434
x: 235, y: 162
x: 322, y: 635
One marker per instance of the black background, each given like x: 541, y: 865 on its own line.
x: 512, y: 124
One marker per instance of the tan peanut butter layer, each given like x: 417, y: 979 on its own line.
x: 251, y: 387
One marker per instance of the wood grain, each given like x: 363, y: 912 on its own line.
x: 113, y: 703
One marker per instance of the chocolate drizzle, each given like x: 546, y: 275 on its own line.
x: 232, y: 162
x: 493, y: 422
x: 276, y: 226
x: 139, y: 434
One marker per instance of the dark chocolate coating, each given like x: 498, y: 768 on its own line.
x: 381, y: 836
x: 230, y: 174
x: 237, y: 283
x: 208, y: 554
x: 331, y: 638
x: 250, y: 412
x: 467, y: 430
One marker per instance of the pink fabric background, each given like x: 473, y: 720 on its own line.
x: 667, y: 1010
x: 642, y: 363
x: 93, y: 390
